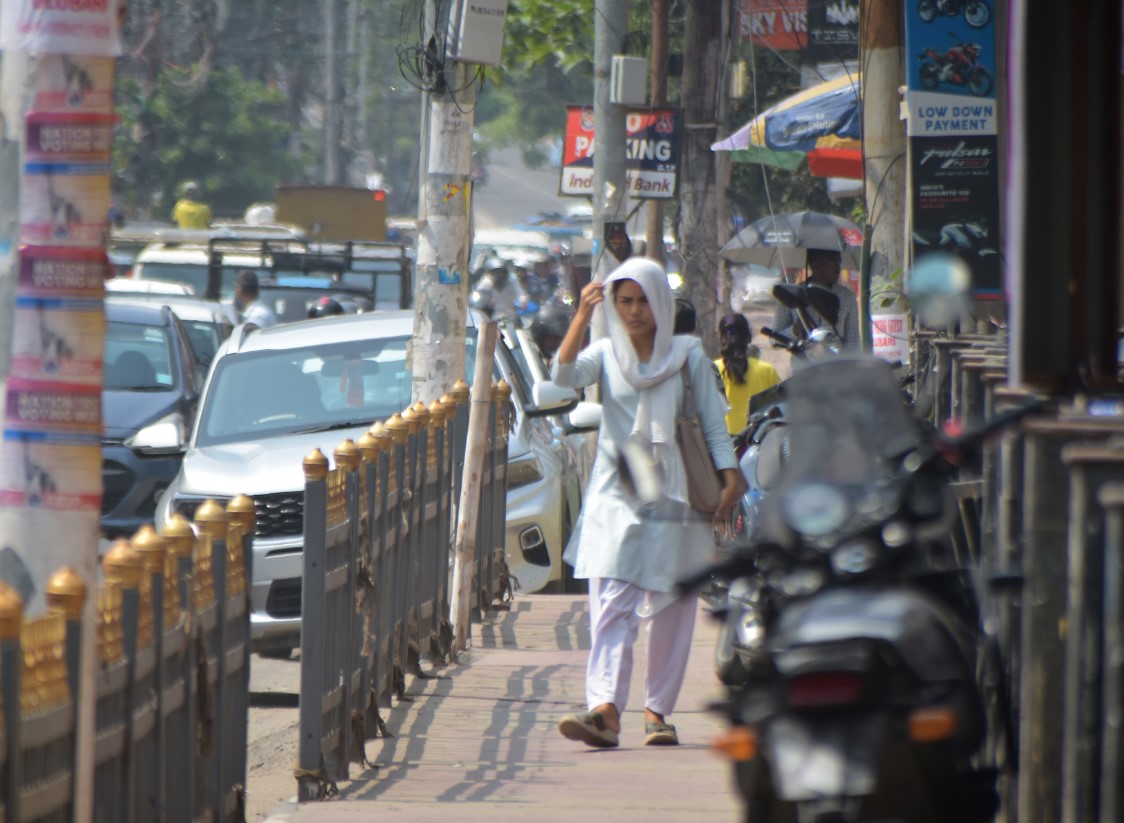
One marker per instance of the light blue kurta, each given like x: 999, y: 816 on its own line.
x: 612, y: 538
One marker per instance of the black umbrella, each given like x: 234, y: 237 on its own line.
x: 781, y: 241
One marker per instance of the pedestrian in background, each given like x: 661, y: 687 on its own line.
x: 190, y: 212
x: 634, y: 558
x: 248, y: 301
x: 743, y: 375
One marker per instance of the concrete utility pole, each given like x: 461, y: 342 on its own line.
x: 610, y: 198
x: 56, y: 127
x: 659, y: 98
x: 437, y: 350
x: 884, y: 140
x: 698, y: 200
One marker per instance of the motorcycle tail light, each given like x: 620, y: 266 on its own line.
x: 736, y: 743
x: 931, y: 724
x: 824, y: 689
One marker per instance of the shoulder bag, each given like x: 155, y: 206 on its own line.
x: 704, y: 483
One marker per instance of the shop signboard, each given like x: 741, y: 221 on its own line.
x: 652, y: 153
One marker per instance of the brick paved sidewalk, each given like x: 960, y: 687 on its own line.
x: 479, y: 741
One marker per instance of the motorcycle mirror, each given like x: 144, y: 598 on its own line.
x: 791, y: 295
x: 938, y: 289
x: 825, y: 302
x: 641, y: 477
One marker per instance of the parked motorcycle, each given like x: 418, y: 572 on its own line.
x: 760, y: 451
x: 958, y: 66
x: 977, y: 13
x: 863, y: 700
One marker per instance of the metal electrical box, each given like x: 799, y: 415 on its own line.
x: 476, y: 31
x: 628, y: 81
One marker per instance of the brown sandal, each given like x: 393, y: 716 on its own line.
x: 589, y: 728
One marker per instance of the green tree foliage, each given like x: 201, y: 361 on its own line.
x: 230, y: 135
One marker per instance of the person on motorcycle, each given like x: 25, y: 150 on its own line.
x: 823, y: 269
x: 632, y: 557
x: 189, y: 212
x: 742, y: 374
x: 504, y: 290
x: 548, y: 328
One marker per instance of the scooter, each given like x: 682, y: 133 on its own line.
x: 862, y: 702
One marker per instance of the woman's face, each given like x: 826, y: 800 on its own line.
x: 633, y: 309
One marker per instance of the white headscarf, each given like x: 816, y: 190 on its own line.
x: 655, y: 415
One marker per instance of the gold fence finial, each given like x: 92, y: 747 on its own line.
x: 398, y: 428
x: 459, y: 392
x: 211, y: 519
x: 347, y: 455
x: 368, y: 446
x: 11, y: 612
x: 241, y: 510
x: 151, y: 547
x: 315, y: 465
x: 123, y: 565
x: 179, y: 535
x: 66, y: 593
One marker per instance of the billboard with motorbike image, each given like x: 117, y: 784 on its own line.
x: 953, y: 135
x: 950, y: 56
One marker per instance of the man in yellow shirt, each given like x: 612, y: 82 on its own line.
x: 190, y: 213
x: 742, y: 375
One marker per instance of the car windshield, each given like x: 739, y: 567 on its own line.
x: 137, y: 358
x: 315, y: 388
x: 195, y: 275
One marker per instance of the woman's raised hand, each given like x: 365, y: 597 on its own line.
x: 592, y: 294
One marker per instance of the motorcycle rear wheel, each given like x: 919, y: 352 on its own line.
x: 977, y: 14
x: 930, y: 76
x: 927, y: 11
x: 980, y: 82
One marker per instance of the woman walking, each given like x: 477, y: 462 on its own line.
x: 633, y: 559
x: 742, y: 374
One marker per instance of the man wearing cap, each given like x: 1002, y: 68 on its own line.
x: 248, y: 303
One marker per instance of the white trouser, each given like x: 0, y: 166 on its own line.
x: 614, y: 625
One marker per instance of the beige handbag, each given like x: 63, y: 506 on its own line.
x: 704, y: 483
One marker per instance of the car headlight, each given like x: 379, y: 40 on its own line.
x: 166, y: 435
x: 855, y: 557
x: 815, y: 509
x: 523, y: 472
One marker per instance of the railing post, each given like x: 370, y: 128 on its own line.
x: 499, y: 494
x: 150, y: 546
x: 212, y: 522
x: 242, y: 514
x: 11, y: 672
x: 1111, y: 497
x: 369, y: 448
x: 180, y: 539
x: 309, y: 757
x: 347, y: 457
x: 383, y: 571
x: 125, y: 567
x: 399, y: 430
x: 1090, y: 467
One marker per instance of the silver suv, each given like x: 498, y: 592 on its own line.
x: 274, y: 395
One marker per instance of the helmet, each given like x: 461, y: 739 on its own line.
x: 325, y: 307
x: 190, y: 189
x: 549, y: 327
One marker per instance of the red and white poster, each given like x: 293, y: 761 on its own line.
x: 781, y: 25
x: 38, y: 474
x: 652, y: 140
x: 85, y: 27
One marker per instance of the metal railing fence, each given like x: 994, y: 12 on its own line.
x: 1042, y: 523
x: 378, y: 550
x: 172, y: 686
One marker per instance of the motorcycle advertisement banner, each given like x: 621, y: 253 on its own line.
x: 953, y: 128
x: 955, y: 201
x: 950, y: 48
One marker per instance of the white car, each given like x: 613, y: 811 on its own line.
x: 273, y: 395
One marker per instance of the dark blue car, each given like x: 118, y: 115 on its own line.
x: 150, y: 395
